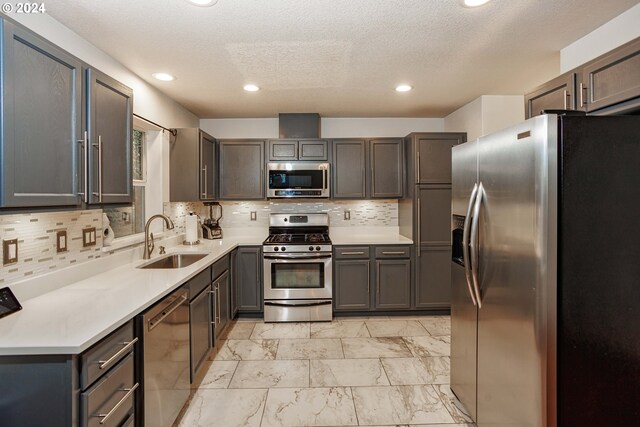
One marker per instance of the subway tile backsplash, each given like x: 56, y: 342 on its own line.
x: 370, y: 213
x: 36, y: 234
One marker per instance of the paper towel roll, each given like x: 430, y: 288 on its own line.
x: 191, y: 228
x: 107, y: 231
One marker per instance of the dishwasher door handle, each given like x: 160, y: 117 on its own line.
x: 166, y: 312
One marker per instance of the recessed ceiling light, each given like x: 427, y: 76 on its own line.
x: 403, y: 88
x: 203, y: 3
x: 165, y: 77
x: 251, y: 88
x: 474, y: 3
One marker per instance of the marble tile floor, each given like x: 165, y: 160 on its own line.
x: 378, y: 371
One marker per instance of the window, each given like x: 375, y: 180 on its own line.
x: 127, y: 220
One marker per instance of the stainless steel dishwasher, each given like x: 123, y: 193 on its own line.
x: 165, y: 332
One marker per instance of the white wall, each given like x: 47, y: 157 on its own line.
x: 148, y: 101
x: 486, y: 114
x: 329, y: 127
x: 621, y: 29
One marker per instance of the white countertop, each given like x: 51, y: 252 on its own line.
x: 367, y: 236
x: 77, y: 307
x: 70, y: 319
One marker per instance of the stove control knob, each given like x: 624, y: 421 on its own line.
x: 275, y: 248
x: 283, y: 249
x: 310, y: 248
x: 317, y: 248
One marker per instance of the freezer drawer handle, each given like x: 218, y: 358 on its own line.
x: 474, y: 244
x: 123, y: 350
x: 465, y: 243
x: 105, y: 417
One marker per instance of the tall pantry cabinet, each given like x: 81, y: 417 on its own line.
x: 425, y: 215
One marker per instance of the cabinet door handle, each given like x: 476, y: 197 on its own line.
x: 418, y: 165
x: 123, y: 350
x: 352, y: 253
x: 418, y: 227
x: 218, y: 304
x: 99, y: 147
x: 583, y: 92
x: 204, y: 193
x: 566, y: 95
x: 106, y: 416
x: 85, y: 179
x: 393, y: 253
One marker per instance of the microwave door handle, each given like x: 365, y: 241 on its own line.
x: 324, y: 179
x: 465, y: 243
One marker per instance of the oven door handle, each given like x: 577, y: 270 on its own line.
x: 303, y: 304
x: 292, y: 257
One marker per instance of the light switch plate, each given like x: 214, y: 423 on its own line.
x: 253, y: 215
x: 88, y: 237
x: 9, y: 251
x: 347, y: 215
x: 61, y: 241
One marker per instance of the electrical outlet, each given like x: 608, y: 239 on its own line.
x: 347, y: 215
x: 61, y: 241
x: 253, y: 215
x: 88, y: 237
x: 9, y: 251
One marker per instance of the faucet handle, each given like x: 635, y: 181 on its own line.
x: 162, y: 252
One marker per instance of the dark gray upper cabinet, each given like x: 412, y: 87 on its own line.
x: 241, y: 164
x: 349, y: 169
x: 393, y: 284
x: 287, y: 150
x: 249, y: 279
x: 433, y: 284
x: 109, y: 125
x: 41, y: 121
x: 429, y: 156
x: 557, y: 94
x: 386, y: 160
x: 612, y: 78
x: 193, y: 166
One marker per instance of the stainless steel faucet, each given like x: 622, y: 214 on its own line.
x: 148, y: 237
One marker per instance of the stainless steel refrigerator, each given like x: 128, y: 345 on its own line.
x: 545, y: 315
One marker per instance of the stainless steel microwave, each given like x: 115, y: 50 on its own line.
x: 298, y: 180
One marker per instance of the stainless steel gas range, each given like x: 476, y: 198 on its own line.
x: 297, y: 269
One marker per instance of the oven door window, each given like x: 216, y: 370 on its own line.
x: 299, y: 179
x: 297, y: 275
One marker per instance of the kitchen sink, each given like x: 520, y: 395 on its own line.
x: 174, y: 261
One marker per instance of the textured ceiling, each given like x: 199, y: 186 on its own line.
x: 336, y: 57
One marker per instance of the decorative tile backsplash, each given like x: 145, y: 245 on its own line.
x: 371, y: 213
x: 36, y: 234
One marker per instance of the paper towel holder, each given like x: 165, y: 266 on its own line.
x: 197, y: 241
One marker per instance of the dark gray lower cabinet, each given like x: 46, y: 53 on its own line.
x: 220, y: 304
x: 372, y: 278
x: 71, y: 390
x: 249, y: 279
x: 393, y: 284
x: 351, y: 284
x: 433, y: 277
x: 200, y: 330
x: 233, y: 297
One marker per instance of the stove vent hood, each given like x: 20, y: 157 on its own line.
x: 299, y: 125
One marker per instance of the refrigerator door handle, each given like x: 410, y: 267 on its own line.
x: 475, y: 252
x: 465, y: 243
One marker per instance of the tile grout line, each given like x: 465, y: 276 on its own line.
x: 234, y: 373
x: 385, y: 371
x: 353, y: 402
x: 266, y: 398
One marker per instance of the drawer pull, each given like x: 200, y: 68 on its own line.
x: 106, y: 416
x: 352, y: 253
x: 123, y: 350
x: 393, y: 253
